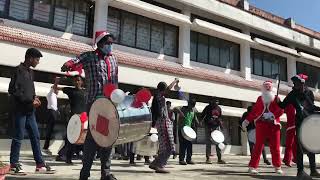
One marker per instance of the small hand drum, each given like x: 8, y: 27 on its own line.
x: 309, y: 133
x: 217, y: 137
x: 76, y: 130
x: 188, y: 133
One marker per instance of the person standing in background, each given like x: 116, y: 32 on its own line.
x: 211, y: 115
x: 53, y: 115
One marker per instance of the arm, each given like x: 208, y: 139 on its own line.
x: 178, y: 110
x: 16, y: 90
x: 278, y: 111
x: 255, y: 113
x: 285, y: 102
x: 204, y: 113
x: 75, y: 63
x: 172, y: 84
x: 196, y: 117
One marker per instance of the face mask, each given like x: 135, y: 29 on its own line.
x: 107, y: 49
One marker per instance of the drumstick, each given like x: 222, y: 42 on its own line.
x: 278, y: 84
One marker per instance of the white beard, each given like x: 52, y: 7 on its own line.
x: 267, y: 97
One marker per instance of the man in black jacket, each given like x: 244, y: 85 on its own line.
x: 302, y: 99
x: 211, y: 115
x: 22, y: 91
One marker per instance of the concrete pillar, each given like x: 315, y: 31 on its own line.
x: 245, y: 149
x: 184, y: 42
x: 245, y: 59
x: 100, y: 16
x: 291, y: 67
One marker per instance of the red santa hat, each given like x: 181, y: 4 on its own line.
x: 100, y: 35
x: 267, y: 85
x: 300, y: 77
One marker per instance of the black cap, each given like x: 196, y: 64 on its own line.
x: 33, y: 53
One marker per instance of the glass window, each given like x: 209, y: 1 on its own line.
x: 214, y: 51
x: 143, y: 33
x: 60, y: 20
x: 214, y: 55
x: 156, y: 37
x: 193, y: 45
x: 80, y: 21
x: 114, y: 23
x: 268, y: 65
x: 203, y: 46
x: 19, y: 9
x: 41, y: 11
x: 170, y: 40
x: 2, y: 5
x: 312, y: 72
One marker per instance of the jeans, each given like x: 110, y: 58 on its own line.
x: 185, y: 146
x: 25, y: 121
x: 53, y: 117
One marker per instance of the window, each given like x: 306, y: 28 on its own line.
x: 312, y: 72
x: 268, y: 65
x: 214, y: 51
x: 68, y: 16
x: 143, y: 33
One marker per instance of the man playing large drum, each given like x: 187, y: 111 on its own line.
x: 303, y: 101
x: 100, y: 68
x: 266, y: 114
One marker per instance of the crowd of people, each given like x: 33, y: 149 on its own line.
x: 101, y: 68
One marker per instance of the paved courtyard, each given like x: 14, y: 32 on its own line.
x: 235, y: 169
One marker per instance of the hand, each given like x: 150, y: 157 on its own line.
x: 36, y: 102
x: 244, y: 124
x: 64, y: 68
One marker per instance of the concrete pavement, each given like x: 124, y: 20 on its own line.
x: 236, y: 168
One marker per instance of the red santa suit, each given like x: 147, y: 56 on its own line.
x: 267, y: 119
x: 291, y: 147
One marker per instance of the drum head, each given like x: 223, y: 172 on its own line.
x: 104, y: 122
x: 189, y: 133
x: 74, y: 128
x: 217, y: 136
x: 309, y: 133
x: 252, y: 136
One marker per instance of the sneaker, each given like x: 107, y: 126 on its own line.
x: 47, y: 152
x: 162, y: 170
x: 61, y: 158
x: 315, y: 173
x: 221, y: 162
x: 287, y: 163
x: 303, y: 175
x: 191, y: 162
x: 109, y: 177
x: 253, y: 171
x: 208, y: 161
x: 267, y: 162
x: 16, y: 169
x: 44, y: 169
x: 69, y: 162
x: 182, y: 163
x: 278, y: 171
x: 153, y: 167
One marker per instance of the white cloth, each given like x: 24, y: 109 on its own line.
x: 52, y: 100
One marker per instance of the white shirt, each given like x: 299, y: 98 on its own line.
x: 52, y: 100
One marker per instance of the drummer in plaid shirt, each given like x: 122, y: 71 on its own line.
x: 100, y: 68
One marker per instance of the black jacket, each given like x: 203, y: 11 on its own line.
x: 21, y: 89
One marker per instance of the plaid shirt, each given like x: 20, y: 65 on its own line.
x: 99, y: 70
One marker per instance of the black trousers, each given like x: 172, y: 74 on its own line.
x: 209, y: 143
x: 185, y: 147
x: 52, y: 118
x: 300, y: 152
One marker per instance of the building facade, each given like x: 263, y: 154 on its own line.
x: 220, y: 48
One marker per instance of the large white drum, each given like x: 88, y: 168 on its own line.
x: 188, y: 133
x: 252, y: 136
x: 76, y: 130
x: 217, y: 136
x: 309, y: 133
x: 110, y: 124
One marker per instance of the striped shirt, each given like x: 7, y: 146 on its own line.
x: 99, y: 70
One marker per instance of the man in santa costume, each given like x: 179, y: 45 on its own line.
x: 291, y: 147
x: 266, y: 115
